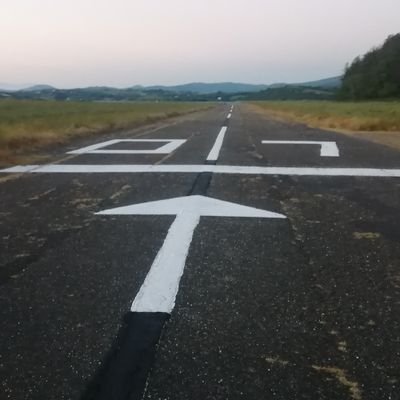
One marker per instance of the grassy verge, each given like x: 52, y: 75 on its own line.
x: 29, y: 125
x: 368, y: 116
x: 376, y: 121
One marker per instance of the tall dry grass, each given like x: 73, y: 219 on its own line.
x: 27, y: 125
x: 363, y: 116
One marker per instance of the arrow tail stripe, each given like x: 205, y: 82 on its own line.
x: 159, y: 290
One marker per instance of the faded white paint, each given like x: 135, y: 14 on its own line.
x: 328, y: 149
x: 169, y: 146
x: 159, y: 290
x: 216, y: 169
x: 214, y: 153
x: 229, y: 116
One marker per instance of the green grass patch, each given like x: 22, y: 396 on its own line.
x: 360, y: 116
x: 31, y: 124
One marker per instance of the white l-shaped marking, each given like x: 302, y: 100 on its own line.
x: 328, y: 149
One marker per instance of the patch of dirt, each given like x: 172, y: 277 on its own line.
x: 120, y: 192
x: 339, y: 374
x: 276, y: 361
x: 342, y: 378
x: 366, y: 235
x: 41, y: 195
x: 84, y: 203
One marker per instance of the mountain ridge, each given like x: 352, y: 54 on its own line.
x: 197, y: 87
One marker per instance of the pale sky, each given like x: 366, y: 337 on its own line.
x: 75, y: 43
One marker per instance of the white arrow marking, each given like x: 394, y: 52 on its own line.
x: 161, y: 285
x: 214, y: 153
x: 328, y: 149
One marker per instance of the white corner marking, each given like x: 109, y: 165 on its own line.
x: 328, y: 149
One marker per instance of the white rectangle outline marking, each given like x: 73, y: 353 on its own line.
x: 217, y: 169
x: 169, y: 147
x: 214, y: 153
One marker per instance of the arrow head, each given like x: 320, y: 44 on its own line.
x: 197, y: 205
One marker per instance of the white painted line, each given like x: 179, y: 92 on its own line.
x: 229, y: 116
x: 216, y: 169
x: 159, y: 290
x: 214, y: 153
x: 169, y: 146
x: 328, y: 149
x: 20, y: 169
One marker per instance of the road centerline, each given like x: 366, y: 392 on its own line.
x: 214, y: 153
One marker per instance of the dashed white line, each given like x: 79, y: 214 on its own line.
x: 229, y: 116
x: 214, y: 153
x: 217, y: 169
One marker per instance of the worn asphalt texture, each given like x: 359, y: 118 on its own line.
x: 302, y: 308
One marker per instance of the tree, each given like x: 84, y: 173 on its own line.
x: 376, y: 75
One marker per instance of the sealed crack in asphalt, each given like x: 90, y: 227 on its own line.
x: 127, y: 366
x: 339, y: 374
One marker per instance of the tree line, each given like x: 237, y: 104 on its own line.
x: 376, y: 75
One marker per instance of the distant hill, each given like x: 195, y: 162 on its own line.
x: 233, y: 87
x: 288, y: 92
x: 37, y: 88
x: 208, y: 88
x: 376, y: 75
x: 198, y: 88
x: 188, y: 92
x: 330, y: 83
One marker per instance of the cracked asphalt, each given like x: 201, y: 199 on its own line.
x: 302, y: 308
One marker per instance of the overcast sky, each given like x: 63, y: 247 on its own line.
x: 70, y: 43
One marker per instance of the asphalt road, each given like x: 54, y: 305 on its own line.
x: 302, y: 307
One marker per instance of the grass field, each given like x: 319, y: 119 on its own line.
x: 29, y: 125
x: 365, y: 116
x: 374, y: 121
